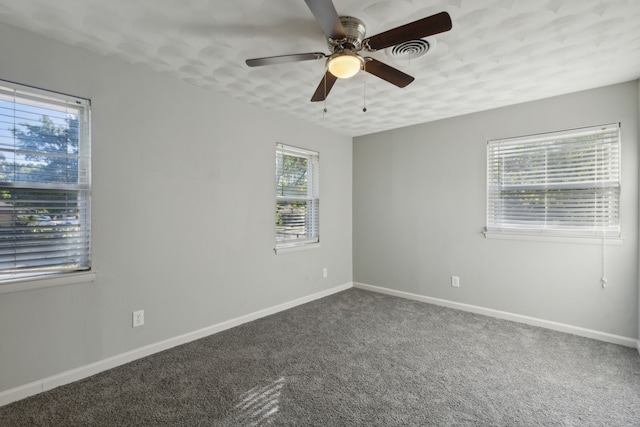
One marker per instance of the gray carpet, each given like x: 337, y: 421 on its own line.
x: 359, y: 358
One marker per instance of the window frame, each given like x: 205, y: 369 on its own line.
x: 312, y: 199
x: 68, y: 107
x: 605, y: 192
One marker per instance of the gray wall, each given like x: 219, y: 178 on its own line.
x: 419, y: 209
x: 183, y: 214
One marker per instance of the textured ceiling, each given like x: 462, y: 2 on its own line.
x: 499, y: 52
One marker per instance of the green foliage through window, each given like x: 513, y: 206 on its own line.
x: 44, y: 183
x: 297, y: 200
x: 563, y: 183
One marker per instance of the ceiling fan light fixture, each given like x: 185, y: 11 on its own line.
x: 344, y: 65
x: 346, y: 40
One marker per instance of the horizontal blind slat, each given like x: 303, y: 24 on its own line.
x: 297, y: 198
x: 44, y: 182
x: 563, y: 181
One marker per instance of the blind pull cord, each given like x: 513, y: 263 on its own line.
x: 603, y: 278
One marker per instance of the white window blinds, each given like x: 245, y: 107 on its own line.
x: 44, y: 183
x: 562, y: 183
x: 297, y: 196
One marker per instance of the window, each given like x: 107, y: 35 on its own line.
x: 297, y: 197
x: 561, y: 183
x: 44, y: 183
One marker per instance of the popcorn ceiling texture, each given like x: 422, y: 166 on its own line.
x: 499, y: 52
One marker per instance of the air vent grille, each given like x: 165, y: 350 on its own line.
x: 411, y: 49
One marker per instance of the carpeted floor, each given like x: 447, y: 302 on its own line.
x: 359, y: 358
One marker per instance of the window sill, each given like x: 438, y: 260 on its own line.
x: 609, y: 241
x: 47, y: 281
x: 287, y: 249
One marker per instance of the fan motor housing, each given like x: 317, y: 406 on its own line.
x: 355, y: 31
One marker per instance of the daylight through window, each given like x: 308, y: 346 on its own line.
x: 44, y: 183
x: 562, y: 183
x: 297, y: 196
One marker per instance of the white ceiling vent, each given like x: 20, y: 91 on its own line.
x: 412, y: 49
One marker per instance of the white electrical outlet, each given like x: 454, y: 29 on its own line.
x: 455, y: 281
x: 325, y: 273
x: 138, y: 318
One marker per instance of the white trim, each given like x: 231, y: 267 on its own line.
x: 48, y: 281
x: 548, y: 238
x: 296, y: 248
x: 552, y: 135
x: 29, y: 91
x: 76, y: 374
x: 295, y: 151
x: 561, y: 327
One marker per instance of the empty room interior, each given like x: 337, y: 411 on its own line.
x: 455, y: 234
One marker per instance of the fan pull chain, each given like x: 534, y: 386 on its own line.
x: 324, y: 80
x: 364, y: 88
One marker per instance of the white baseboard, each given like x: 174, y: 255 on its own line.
x: 575, y: 330
x: 76, y: 374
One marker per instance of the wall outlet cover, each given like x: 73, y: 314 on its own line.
x: 455, y: 281
x: 138, y: 318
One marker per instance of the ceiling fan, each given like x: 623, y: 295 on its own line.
x: 346, y: 40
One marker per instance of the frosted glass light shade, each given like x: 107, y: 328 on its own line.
x: 345, y: 65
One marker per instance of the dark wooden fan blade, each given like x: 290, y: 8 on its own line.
x: 386, y: 72
x: 282, y: 59
x: 325, y: 13
x: 425, y: 27
x: 324, y: 87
